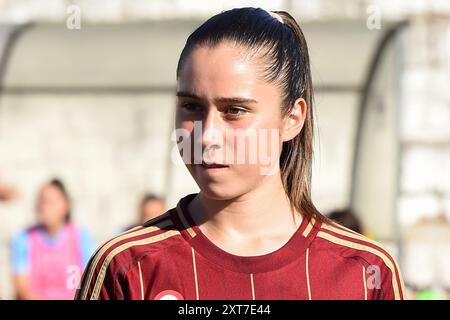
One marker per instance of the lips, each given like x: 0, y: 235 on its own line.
x: 213, y: 165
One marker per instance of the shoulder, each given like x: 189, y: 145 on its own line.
x: 352, y: 244
x: 376, y: 260
x: 83, y: 233
x: 123, y: 251
x: 19, y: 245
x: 20, y: 251
x: 20, y: 239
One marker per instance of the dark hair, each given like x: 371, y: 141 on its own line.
x: 347, y: 218
x: 282, y: 48
x: 147, y: 198
x: 151, y: 197
x: 57, y: 183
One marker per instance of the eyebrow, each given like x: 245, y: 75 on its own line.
x: 184, y: 94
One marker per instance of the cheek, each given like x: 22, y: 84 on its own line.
x: 44, y: 206
x: 182, y: 136
x: 257, y: 146
x: 181, y: 122
x: 47, y: 212
x: 270, y: 138
x: 62, y: 208
x: 54, y: 208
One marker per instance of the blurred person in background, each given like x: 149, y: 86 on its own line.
x: 7, y: 193
x: 44, y: 255
x: 349, y: 218
x: 151, y: 206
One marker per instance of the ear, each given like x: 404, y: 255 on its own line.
x: 293, y: 122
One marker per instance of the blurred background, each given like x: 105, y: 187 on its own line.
x: 87, y: 96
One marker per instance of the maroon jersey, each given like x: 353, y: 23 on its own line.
x: 170, y: 258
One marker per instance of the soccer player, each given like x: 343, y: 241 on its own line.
x: 252, y: 232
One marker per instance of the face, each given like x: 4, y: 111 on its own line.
x: 52, y: 206
x: 230, y: 120
x: 151, y: 209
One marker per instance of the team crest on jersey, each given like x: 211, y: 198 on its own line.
x: 169, y: 295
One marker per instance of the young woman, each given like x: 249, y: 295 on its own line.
x: 48, y: 258
x: 252, y: 231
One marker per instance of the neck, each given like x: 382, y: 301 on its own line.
x: 251, y: 215
x: 52, y: 230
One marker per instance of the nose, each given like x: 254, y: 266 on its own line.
x: 212, y: 134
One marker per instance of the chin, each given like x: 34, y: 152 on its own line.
x: 216, y: 192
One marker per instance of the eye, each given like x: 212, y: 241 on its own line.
x: 192, y: 107
x: 235, y: 112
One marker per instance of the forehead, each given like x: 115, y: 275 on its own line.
x: 225, y: 69
x: 153, y: 202
x: 50, y: 190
